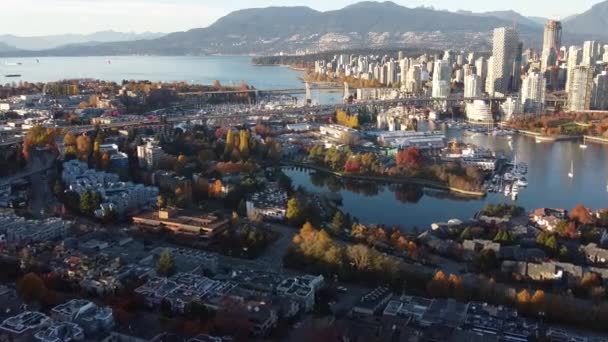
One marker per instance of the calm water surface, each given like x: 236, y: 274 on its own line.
x: 549, y: 185
x: 229, y: 70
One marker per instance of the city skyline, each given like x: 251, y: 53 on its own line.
x: 88, y: 16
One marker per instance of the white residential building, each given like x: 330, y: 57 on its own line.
x: 442, y: 76
x: 472, y: 86
x: 117, y: 196
x: 150, y: 154
x: 581, y: 88
x: 479, y: 110
x: 591, y: 53
x: 533, y: 92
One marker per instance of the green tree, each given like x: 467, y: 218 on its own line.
x: 86, y: 203
x: 165, y: 265
x: 161, y: 202
x: 294, y: 212
x: 338, y: 223
x: 466, y: 234
x: 551, y: 243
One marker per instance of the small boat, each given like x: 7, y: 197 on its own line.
x: 571, y: 173
x: 584, y: 144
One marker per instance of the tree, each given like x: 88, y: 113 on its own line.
x: 180, y: 163
x: 244, y: 143
x: 105, y: 161
x: 487, y: 260
x: 216, y: 189
x: 551, y: 243
x: 86, y: 203
x: 69, y: 140
x: 581, y: 214
x: 439, y: 285
x: 165, y: 266
x: 294, y: 212
x: 409, y: 158
x: 338, y: 223
x: 161, y: 202
x: 359, y: 256
x: 84, y: 147
x: 31, y: 288
x: 352, y: 165
x: 466, y: 234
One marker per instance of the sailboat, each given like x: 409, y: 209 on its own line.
x: 584, y: 144
x: 571, y: 173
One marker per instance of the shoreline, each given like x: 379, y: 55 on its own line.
x: 595, y: 139
x: 546, y: 138
x: 394, y: 180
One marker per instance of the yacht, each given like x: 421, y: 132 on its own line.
x: 584, y: 144
x: 507, y: 190
x: 521, y: 182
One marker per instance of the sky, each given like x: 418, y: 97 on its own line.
x: 46, y: 17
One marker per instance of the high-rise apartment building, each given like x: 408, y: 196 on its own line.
x: 504, y: 54
x: 533, y: 92
x: 472, y: 86
x: 591, y: 53
x: 403, y: 69
x: 581, y: 88
x: 412, y: 79
x: 481, y: 69
x: 600, y: 92
x: 575, y: 56
x: 391, y: 72
x: 442, y: 77
x: 552, y: 42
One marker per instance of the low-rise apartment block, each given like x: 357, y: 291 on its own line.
x: 181, y: 221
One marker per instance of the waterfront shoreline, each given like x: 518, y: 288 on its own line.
x: 394, y: 180
x: 546, y: 138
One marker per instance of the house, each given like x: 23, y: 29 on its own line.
x: 88, y: 315
x: 23, y: 326
x: 373, y: 302
x: 478, y: 245
x: 547, y: 218
x: 595, y: 254
x: 60, y: 331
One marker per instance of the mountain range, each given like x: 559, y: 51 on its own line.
x: 366, y: 24
x: 56, y: 41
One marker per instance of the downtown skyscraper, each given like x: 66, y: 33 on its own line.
x: 505, y: 49
x: 552, y: 42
